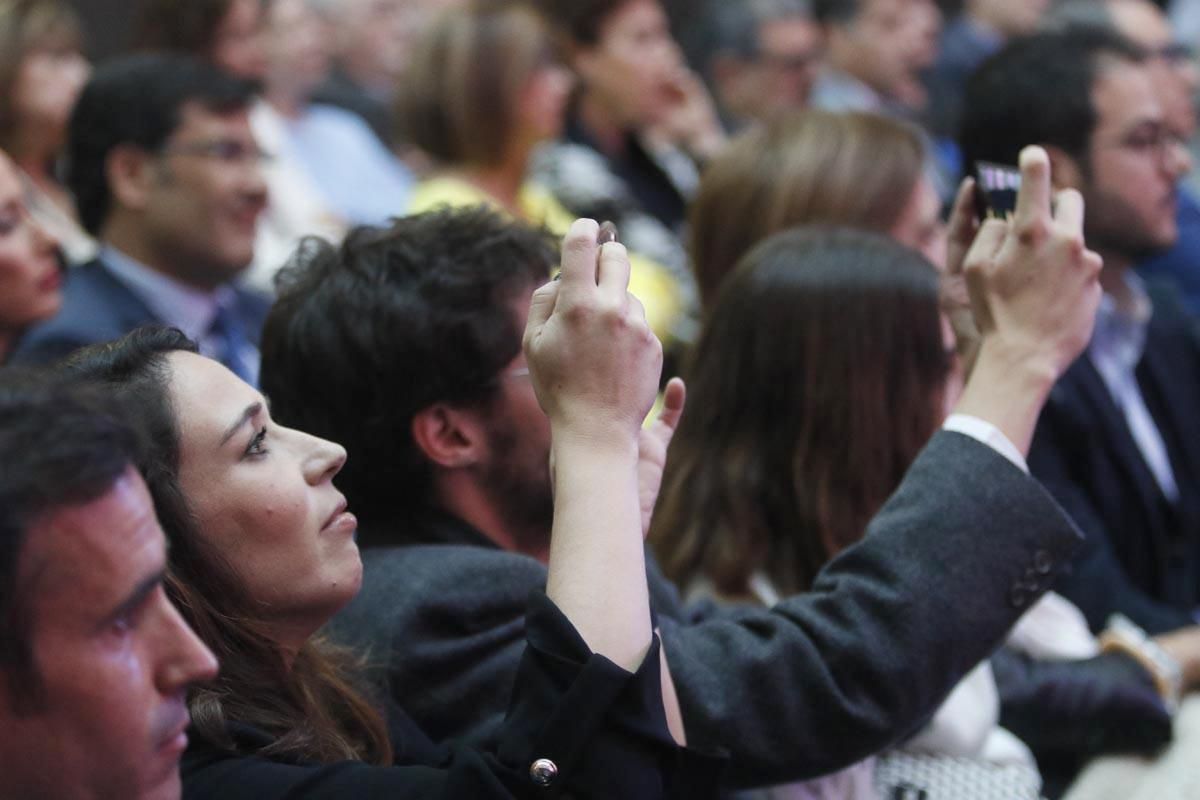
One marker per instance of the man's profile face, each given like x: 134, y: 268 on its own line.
x: 207, y: 194
x: 1135, y: 162
x: 112, y: 655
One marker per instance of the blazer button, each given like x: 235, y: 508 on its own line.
x: 543, y: 772
x: 1018, y: 597
x: 1043, y: 562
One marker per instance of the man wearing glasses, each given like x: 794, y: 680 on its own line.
x: 1118, y: 442
x: 166, y: 174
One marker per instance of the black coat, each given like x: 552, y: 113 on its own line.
x: 603, y: 729
x: 1141, y: 556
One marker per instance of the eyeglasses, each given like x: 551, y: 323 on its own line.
x: 1174, y: 53
x: 227, y: 151
x: 1151, y: 140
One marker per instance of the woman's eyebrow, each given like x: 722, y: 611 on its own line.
x: 250, y: 413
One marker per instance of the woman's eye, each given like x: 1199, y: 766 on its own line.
x: 257, y: 446
x: 8, y: 224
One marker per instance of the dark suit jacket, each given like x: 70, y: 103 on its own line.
x: 603, y: 728
x: 1142, y: 554
x: 97, y: 307
x: 812, y: 685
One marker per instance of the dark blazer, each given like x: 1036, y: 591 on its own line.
x: 601, y: 727
x: 97, y: 307
x: 816, y: 683
x: 1142, y: 554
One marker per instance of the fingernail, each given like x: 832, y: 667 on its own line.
x: 607, y: 233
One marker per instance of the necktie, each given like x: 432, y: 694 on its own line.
x: 230, y: 345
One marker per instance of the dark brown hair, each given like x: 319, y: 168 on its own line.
x: 816, y: 381
x: 313, y: 710
x: 466, y: 75
x: 180, y: 26
x: 24, y: 26
x: 813, y: 167
x: 579, y: 21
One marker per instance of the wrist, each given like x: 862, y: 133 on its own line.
x: 1023, y: 364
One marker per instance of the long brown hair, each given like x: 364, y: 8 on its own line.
x: 816, y: 381
x: 313, y: 710
x: 811, y: 167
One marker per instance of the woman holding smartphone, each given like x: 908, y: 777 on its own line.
x: 263, y: 554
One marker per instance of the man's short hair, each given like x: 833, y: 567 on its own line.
x: 136, y: 100
x: 60, y: 447
x: 1038, y: 90
x: 726, y: 28
x: 836, y: 12
x: 363, y: 337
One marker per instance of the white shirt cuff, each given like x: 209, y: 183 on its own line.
x: 987, y: 433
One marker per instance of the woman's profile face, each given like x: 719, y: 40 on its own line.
x: 263, y: 495
x: 30, y: 279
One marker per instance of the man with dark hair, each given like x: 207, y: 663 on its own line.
x: 1118, y: 443
x: 165, y: 173
x: 94, y: 660
x: 759, y: 57
x: 875, y: 51
x: 405, y: 345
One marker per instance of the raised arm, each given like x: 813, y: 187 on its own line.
x: 595, y: 366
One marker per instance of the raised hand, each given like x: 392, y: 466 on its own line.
x: 593, y: 360
x: 652, y: 449
x: 1034, y: 289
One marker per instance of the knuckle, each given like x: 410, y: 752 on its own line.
x: 1031, y: 232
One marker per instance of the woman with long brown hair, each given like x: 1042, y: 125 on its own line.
x: 263, y: 554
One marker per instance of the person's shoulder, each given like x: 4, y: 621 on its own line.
x: 427, y: 571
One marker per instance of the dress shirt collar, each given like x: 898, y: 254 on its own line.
x: 1119, y: 338
x: 174, y: 303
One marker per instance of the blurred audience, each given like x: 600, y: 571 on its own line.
x: 637, y: 127
x: 978, y: 31
x: 94, y: 660
x: 42, y: 70
x: 286, y: 716
x: 876, y: 50
x: 30, y: 275
x: 485, y: 91
x: 1117, y: 441
x: 759, y: 58
x: 227, y: 33
x: 165, y: 172
x: 372, y: 45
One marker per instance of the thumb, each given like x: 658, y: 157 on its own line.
x: 673, y: 400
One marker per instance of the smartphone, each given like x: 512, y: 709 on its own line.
x: 996, y: 187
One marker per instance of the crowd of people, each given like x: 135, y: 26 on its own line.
x: 344, y: 452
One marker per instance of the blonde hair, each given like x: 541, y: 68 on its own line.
x: 461, y: 101
x: 812, y: 167
x: 26, y: 25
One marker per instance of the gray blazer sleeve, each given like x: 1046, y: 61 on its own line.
x: 825, y: 678
x: 808, y: 687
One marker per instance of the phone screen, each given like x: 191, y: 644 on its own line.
x: 996, y: 187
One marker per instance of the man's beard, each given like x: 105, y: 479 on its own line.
x: 520, y: 491
x: 1112, y: 229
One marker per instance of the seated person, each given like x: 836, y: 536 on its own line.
x: 823, y: 369
x: 30, y: 275
x: 405, y: 342
x: 485, y: 92
x: 95, y: 661
x: 165, y: 172
x: 263, y: 553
